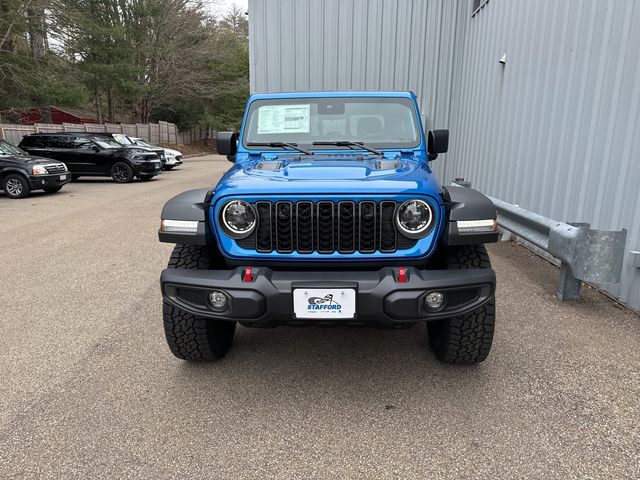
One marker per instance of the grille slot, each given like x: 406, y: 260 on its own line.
x: 387, y: 230
x: 326, y: 227
x: 304, y: 227
x: 368, y: 220
x: 284, y: 227
x: 346, y: 227
x: 264, y: 232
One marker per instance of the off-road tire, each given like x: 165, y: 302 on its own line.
x: 190, y: 337
x: 466, y: 339
x: 121, y: 172
x: 52, y: 189
x: 166, y: 168
x: 16, y: 186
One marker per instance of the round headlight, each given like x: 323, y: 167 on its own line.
x: 413, y: 218
x: 239, y: 218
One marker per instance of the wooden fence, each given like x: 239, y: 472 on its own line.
x: 154, y: 133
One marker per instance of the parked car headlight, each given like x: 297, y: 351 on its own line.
x: 39, y: 170
x: 238, y: 218
x: 413, y: 218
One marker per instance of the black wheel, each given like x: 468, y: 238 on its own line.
x: 145, y: 178
x: 16, y: 186
x: 168, y: 167
x: 121, y: 172
x: 466, y: 339
x: 74, y: 177
x: 190, y: 337
x: 52, y: 189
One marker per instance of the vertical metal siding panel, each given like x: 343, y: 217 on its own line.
x: 273, y: 43
x: 300, y: 65
x: 402, y: 51
x: 374, y: 46
x: 316, y: 45
x: 330, y: 21
x: 287, y: 55
x: 360, y: 45
x: 345, y: 45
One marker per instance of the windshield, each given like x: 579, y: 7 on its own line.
x: 122, y: 139
x: 377, y: 122
x: 106, y: 142
x: 142, y: 143
x: 7, y: 149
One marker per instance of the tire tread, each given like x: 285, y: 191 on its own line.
x: 465, y: 339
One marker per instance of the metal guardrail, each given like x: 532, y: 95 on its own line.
x: 585, y: 254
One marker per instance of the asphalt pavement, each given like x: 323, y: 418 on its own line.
x: 89, y: 389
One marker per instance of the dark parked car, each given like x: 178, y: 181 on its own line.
x: 20, y: 173
x: 126, y: 142
x: 94, y: 155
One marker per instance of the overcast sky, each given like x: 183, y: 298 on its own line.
x: 224, y: 5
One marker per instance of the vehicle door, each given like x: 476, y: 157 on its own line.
x: 88, y: 155
x: 60, y: 147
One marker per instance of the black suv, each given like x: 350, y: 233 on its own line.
x: 20, y: 173
x: 94, y: 155
x: 126, y: 142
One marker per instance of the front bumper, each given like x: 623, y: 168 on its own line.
x: 174, y: 161
x: 39, y: 182
x: 153, y: 167
x: 380, y: 297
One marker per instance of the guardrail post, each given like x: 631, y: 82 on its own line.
x: 569, y: 287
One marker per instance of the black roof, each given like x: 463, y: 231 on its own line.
x: 89, y: 134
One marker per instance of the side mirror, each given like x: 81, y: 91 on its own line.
x: 437, y: 142
x: 227, y: 144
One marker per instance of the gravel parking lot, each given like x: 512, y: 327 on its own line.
x: 90, y: 390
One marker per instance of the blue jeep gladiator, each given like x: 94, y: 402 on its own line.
x: 330, y: 215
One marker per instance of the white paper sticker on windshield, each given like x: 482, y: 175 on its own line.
x: 284, y: 119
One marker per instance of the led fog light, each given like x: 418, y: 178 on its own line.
x: 434, y: 300
x: 218, y: 300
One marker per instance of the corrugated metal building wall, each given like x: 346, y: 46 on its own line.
x: 555, y: 130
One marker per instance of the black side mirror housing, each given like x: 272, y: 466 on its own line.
x: 227, y: 144
x: 437, y: 142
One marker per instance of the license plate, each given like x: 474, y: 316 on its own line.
x: 324, y: 303
x: 63, y: 177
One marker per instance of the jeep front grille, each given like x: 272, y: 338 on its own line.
x: 326, y: 227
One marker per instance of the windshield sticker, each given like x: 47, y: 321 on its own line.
x: 284, y: 119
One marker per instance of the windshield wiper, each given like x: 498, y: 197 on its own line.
x: 279, y: 144
x: 350, y: 144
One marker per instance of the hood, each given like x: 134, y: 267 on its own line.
x: 170, y: 151
x: 28, y: 159
x: 130, y: 151
x: 330, y: 174
x: 158, y: 151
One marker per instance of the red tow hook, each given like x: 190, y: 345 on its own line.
x: 246, y: 275
x: 402, y: 275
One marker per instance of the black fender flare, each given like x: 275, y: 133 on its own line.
x: 467, y: 204
x: 189, y: 206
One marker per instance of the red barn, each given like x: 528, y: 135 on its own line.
x: 58, y: 115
